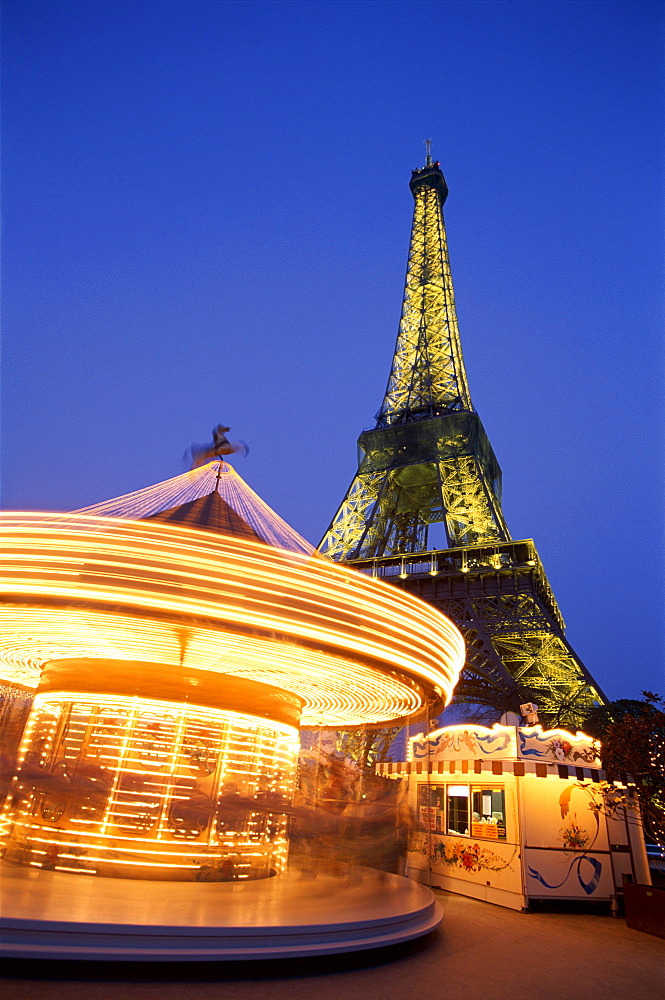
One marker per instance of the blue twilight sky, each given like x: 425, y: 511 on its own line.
x: 206, y: 218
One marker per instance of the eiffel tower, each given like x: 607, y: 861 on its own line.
x: 429, y: 461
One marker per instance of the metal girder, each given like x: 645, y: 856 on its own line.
x: 473, y: 513
x: 543, y: 662
x: 500, y: 599
x: 511, y: 613
x: 427, y: 374
x: 415, y: 474
x: 350, y: 522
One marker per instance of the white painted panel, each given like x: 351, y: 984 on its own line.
x: 563, y: 814
x: 566, y: 875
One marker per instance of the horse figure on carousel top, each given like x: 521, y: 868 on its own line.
x: 219, y: 446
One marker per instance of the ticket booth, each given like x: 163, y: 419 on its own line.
x: 512, y: 814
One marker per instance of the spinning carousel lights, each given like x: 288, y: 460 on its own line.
x: 183, y: 574
x: 120, y: 838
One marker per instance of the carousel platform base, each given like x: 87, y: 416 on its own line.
x: 55, y: 915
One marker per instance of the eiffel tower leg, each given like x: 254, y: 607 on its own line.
x: 472, y: 511
x: 500, y: 599
x: 349, y: 524
x: 515, y: 645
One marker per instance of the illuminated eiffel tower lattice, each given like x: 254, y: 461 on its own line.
x: 428, y: 461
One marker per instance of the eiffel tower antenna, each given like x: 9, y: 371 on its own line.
x: 428, y: 460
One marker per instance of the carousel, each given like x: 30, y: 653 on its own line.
x: 174, y: 641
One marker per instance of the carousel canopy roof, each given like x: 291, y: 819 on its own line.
x: 213, y: 498
x: 210, y: 513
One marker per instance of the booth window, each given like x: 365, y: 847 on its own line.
x: 431, y: 805
x: 458, y: 809
x: 462, y: 810
x: 488, y: 817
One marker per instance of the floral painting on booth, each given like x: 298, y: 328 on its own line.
x: 557, y: 746
x: 562, y: 749
x: 574, y: 837
x: 469, y: 857
x: 464, y: 855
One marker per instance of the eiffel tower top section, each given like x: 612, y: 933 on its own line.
x: 428, y: 459
x: 427, y: 378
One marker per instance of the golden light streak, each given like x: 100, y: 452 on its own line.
x: 164, y: 657
x: 161, y: 804
x: 355, y: 649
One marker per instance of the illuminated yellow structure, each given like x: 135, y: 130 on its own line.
x: 424, y: 512
x: 173, y: 667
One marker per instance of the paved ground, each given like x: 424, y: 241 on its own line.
x: 480, y: 952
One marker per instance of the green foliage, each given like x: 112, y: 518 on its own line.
x: 632, y: 738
